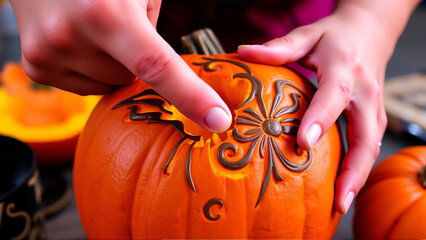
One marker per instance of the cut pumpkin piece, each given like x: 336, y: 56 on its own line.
x: 47, y: 118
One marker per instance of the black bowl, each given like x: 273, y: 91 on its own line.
x: 20, y: 192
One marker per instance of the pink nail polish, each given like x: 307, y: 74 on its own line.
x: 348, y: 201
x: 252, y: 46
x: 217, y: 120
x: 313, y: 134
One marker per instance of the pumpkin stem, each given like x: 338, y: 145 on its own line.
x: 202, y: 41
x: 422, y: 176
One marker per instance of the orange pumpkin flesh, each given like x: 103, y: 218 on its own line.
x: 393, y: 201
x: 46, y: 118
x: 143, y: 170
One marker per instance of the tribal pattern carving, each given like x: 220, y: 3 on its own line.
x: 267, y: 126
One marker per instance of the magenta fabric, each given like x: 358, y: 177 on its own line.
x: 237, y: 22
x: 302, y: 13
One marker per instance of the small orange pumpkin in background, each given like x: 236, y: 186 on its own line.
x: 48, y: 119
x: 143, y: 170
x: 392, y: 204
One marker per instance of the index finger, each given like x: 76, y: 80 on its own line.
x: 135, y: 43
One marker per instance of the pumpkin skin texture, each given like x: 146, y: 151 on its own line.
x: 392, y: 204
x: 46, y: 118
x: 143, y: 170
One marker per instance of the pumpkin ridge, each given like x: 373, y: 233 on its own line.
x: 410, y: 207
x: 305, y: 212
x: 398, y: 194
x: 407, y: 166
x: 409, y: 186
x: 413, y: 156
x: 250, y: 224
x: 148, y: 180
x: 422, y: 176
x: 247, y: 208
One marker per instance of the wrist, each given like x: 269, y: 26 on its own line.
x: 392, y: 15
x: 385, y: 20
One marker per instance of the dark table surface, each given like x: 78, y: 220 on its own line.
x: 409, y: 57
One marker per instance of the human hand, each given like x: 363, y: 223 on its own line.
x: 89, y: 47
x: 349, y: 50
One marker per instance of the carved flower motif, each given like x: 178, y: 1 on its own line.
x: 265, y: 129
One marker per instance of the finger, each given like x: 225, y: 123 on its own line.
x: 73, y: 82
x: 153, y: 11
x: 100, y: 67
x: 364, y: 135
x: 333, y: 95
x: 290, y: 48
x: 137, y: 45
x: 382, y: 118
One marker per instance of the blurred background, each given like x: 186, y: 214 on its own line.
x: 409, y: 58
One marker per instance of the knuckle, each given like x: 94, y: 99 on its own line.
x: 352, y: 62
x: 351, y: 59
x: 32, y: 51
x: 370, y: 147
x: 97, y: 13
x: 151, y: 65
x: 373, y: 88
x: 383, y: 120
x: 91, y: 9
x: 373, y: 146
x: 345, y: 91
x: 57, y: 34
x: 366, y: 80
x: 370, y: 89
x: 375, y: 149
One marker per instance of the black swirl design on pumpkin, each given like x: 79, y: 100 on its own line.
x: 151, y: 98
x: 267, y: 127
x: 207, y: 207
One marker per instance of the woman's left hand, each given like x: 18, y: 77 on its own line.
x: 349, y: 51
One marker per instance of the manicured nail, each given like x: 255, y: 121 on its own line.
x: 252, y: 46
x: 348, y: 201
x: 313, y: 134
x: 217, y: 120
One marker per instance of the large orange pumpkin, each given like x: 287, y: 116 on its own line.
x: 392, y: 204
x: 46, y: 118
x: 143, y: 170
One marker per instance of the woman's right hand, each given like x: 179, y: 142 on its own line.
x: 89, y: 47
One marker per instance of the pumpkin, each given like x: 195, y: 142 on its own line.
x: 392, y: 204
x: 46, y: 118
x: 143, y: 170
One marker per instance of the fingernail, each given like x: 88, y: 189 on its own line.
x: 252, y: 46
x: 217, y: 119
x: 313, y: 134
x: 348, y: 201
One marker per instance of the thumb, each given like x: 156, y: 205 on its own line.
x: 289, y: 48
x: 138, y: 46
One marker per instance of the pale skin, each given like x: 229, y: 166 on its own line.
x: 91, y: 46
